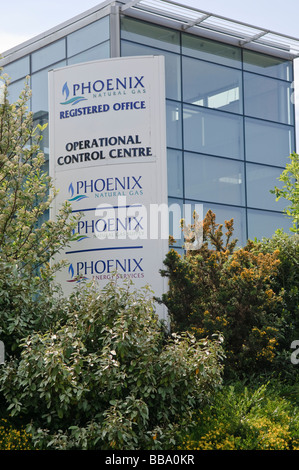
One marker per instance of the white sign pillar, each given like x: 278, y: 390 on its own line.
x: 108, y: 159
x: 2, y: 353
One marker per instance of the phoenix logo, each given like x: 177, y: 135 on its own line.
x: 66, y: 94
x: 72, y: 273
x: 77, y: 237
x: 75, y: 198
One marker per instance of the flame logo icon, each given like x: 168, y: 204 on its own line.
x: 71, y: 189
x: 65, y: 90
x: 72, y: 273
x: 75, y: 198
x: 66, y: 94
x: 71, y: 270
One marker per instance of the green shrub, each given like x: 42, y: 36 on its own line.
x: 290, y: 190
x: 246, y: 419
x: 27, y: 304
x: 286, y: 281
x: 29, y: 241
x: 109, y: 376
x: 220, y: 287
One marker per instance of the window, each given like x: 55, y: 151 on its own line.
x: 39, y: 82
x: 172, y: 66
x: 260, y: 180
x: 267, y: 142
x: 211, y: 85
x: 213, y: 51
x: 98, y: 52
x: 89, y: 36
x: 267, y: 65
x: 214, y: 179
x: 175, y: 173
x: 174, y: 124
x: 15, y: 89
x: 150, y: 34
x: 267, y: 98
x: 213, y: 132
x: 48, y: 55
x: 18, y: 69
x: 264, y: 223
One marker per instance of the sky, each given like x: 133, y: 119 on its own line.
x: 23, y: 20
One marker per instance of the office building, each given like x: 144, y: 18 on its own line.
x: 229, y: 107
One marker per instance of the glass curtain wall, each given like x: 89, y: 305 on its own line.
x: 230, y: 125
x: 230, y: 119
x: 91, y: 42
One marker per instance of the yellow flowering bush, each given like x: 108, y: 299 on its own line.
x: 220, y: 287
x: 245, y: 420
x: 12, y: 438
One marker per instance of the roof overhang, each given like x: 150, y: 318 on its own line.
x: 175, y: 15
x: 203, y: 23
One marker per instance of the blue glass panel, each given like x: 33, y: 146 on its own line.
x: 267, y: 65
x: 214, y: 179
x: 95, y: 53
x: 260, y: 180
x: 48, y: 55
x: 267, y: 142
x: 213, y: 132
x: 18, y: 69
x: 267, y: 98
x: 39, y: 84
x: 264, y: 224
x: 150, y: 34
x: 172, y: 66
x: 211, y: 50
x: 174, y: 124
x: 175, y: 173
x: 211, y: 85
x: 14, y: 90
x: 89, y: 36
